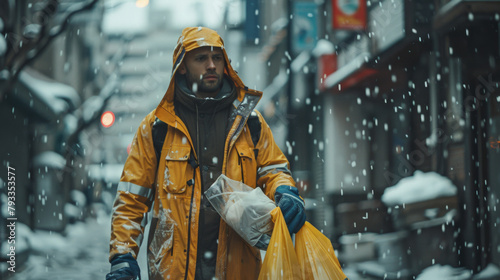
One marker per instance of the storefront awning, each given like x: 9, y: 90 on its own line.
x: 457, y: 11
x: 350, y: 74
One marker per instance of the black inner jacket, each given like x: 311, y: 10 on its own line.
x: 207, y: 122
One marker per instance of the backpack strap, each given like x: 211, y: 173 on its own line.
x: 159, y: 132
x: 255, y: 127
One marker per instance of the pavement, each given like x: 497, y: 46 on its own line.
x: 81, y: 252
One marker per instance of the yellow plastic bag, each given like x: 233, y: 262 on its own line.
x: 280, y: 261
x: 316, y: 256
x: 312, y: 258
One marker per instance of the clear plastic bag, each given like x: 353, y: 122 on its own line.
x: 244, y: 209
x: 253, y: 216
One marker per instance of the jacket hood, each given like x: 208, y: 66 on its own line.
x: 190, y: 39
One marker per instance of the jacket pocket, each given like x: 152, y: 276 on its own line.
x: 247, y: 164
x: 177, y: 170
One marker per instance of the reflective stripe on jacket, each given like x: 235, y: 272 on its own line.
x: 172, y: 244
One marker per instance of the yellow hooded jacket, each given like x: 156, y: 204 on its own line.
x: 165, y: 187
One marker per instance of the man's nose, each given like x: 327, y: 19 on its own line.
x: 211, y: 63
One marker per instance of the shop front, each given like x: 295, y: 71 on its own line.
x: 468, y: 119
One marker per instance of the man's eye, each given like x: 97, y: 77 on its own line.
x: 200, y: 58
x: 217, y: 58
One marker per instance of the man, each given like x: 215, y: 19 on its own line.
x: 205, y: 108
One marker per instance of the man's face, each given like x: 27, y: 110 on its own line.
x: 204, y: 70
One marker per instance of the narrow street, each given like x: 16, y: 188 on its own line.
x: 81, y: 254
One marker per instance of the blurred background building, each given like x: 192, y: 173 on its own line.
x: 388, y: 111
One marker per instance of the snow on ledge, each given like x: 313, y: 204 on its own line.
x: 59, y: 97
x: 49, y: 159
x: 419, y: 187
x: 323, y: 47
x: 444, y: 272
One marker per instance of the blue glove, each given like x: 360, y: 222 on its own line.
x: 263, y: 242
x: 292, y: 207
x: 124, y: 267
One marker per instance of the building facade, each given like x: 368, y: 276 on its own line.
x: 403, y: 87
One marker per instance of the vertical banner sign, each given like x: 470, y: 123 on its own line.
x: 305, y: 26
x: 252, y: 19
x: 349, y: 14
x: 327, y: 65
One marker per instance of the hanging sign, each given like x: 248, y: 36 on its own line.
x: 305, y: 26
x: 349, y: 14
x: 327, y: 64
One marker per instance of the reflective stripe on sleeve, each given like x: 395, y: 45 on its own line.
x: 118, y: 266
x: 283, y: 167
x: 135, y: 189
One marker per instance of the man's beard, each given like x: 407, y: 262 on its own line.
x: 202, y: 86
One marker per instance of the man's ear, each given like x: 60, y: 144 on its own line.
x: 182, y: 69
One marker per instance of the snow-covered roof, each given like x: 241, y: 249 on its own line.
x: 419, y: 187
x: 57, y: 97
x: 49, y: 159
x: 323, y: 47
x: 348, y: 69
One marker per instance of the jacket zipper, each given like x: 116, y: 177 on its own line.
x: 192, y: 194
x: 189, y: 230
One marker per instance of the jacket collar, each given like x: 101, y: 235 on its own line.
x: 185, y: 96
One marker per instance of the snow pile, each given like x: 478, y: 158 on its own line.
x: 49, y: 159
x: 79, y: 253
x: 490, y: 272
x: 47, y: 241
x: 59, y: 97
x: 323, y: 47
x: 419, y: 187
x: 444, y: 272
x: 22, y: 243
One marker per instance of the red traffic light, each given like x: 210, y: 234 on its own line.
x: 107, y: 119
